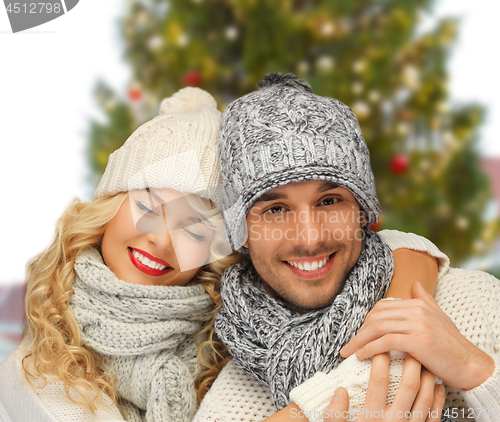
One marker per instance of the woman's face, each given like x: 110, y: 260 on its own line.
x: 156, y: 238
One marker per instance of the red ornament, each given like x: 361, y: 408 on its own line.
x: 135, y: 94
x: 191, y: 79
x: 399, y: 164
x: 375, y: 226
x: 406, y: 115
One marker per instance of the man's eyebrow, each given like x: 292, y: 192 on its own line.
x: 270, y: 196
x: 327, y: 186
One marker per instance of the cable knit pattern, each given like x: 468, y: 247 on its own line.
x: 283, y: 134
x: 282, y: 347
x: 146, y: 335
x: 177, y: 149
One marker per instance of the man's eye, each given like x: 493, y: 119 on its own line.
x: 328, y: 201
x: 275, y: 210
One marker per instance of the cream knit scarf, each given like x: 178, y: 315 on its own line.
x: 146, y: 336
x: 282, y: 347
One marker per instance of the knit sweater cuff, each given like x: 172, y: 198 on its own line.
x: 484, y: 400
x: 314, y: 395
x: 401, y: 240
x: 353, y: 374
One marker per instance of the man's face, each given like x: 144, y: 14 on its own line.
x: 304, y: 238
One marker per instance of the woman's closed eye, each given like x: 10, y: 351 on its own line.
x: 197, y: 229
x: 196, y: 236
x: 145, y: 209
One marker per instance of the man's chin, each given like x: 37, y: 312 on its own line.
x: 298, y: 300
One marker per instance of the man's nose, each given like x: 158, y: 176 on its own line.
x: 307, y: 229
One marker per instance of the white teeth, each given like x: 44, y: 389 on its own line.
x: 309, y: 266
x: 147, y: 261
x: 322, y: 262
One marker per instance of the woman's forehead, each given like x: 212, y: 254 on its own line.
x: 158, y: 196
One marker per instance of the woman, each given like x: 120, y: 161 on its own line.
x: 120, y: 307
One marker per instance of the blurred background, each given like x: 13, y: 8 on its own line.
x: 420, y: 76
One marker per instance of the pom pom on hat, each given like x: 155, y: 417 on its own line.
x: 276, y: 79
x: 177, y: 149
x: 187, y: 100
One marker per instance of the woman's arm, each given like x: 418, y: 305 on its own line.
x: 415, y: 259
x: 410, y: 266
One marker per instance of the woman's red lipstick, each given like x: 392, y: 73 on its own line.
x: 144, y: 268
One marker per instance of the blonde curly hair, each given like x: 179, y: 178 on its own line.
x: 55, y: 349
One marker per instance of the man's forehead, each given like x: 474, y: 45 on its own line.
x: 283, y: 192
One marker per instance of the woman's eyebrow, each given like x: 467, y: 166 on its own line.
x: 151, y: 193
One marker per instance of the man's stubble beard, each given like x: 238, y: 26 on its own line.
x: 292, y: 299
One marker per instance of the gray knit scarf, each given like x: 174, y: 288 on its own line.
x: 146, y: 337
x: 282, y: 347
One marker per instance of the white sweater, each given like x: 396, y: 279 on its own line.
x: 470, y: 298
x: 19, y: 402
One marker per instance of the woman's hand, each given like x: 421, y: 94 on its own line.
x: 418, y: 399
x: 420, y: 328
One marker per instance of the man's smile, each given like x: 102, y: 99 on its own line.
x: 309, y: 268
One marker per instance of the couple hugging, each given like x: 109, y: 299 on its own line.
x: 225, y: 271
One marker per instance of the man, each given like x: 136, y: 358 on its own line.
x: 301, y: 196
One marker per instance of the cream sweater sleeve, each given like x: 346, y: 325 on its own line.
x: 19, y: 402
x: 401, y: 240
x: 235, y: 396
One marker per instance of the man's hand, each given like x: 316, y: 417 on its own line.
x: 417, y: 399
x: 420, y: 328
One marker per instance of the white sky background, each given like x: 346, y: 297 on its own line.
x: 46, y: 79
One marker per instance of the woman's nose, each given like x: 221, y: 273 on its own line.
x: 162, y: 240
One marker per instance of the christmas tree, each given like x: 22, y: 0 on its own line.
x: 366, y: 53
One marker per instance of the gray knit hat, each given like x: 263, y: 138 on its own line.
x: 283, y: 134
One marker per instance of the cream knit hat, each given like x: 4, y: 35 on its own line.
x: 177, y: 150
